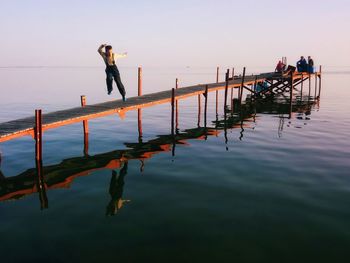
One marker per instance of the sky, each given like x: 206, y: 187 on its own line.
x: 178, y: 33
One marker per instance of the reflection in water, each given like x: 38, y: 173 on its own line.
x: 116, y: 191
x: 61, y: 175
x: 280, y: 125
x: 40, y: 185
x: 1, y: 174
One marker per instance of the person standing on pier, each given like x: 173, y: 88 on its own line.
x: 310, y: 63
x: 112, y: 71
x: 302, y: 65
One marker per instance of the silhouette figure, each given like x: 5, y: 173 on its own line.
x: 116, y: 191
x: 1, y: 174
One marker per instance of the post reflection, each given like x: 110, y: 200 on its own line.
x: 40, y: 185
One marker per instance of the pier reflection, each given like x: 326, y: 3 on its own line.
x: 42, y: 179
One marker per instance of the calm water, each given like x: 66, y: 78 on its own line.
x: 265, y: 189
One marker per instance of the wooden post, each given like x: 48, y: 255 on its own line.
x: 199, y: 111
x: 38, y: 129
x: 241, y: 88
x: 177, y: 108
x: 309, y: 85
x: 85, y: 122
x: 254, y: 85
x: 217, y: 74
x: 217, y: 92
x: 38, y: 135
x: 85, y: 127
x: 233, y: 78
x: 172, y: 120
x: 205, y: 106
x: 319, y: 84
x: 172, y: 109
x: 291, y: 94
x: 139, y: 82
x: 225, y: 130
x: 139, y: 110
x: 315, y: 86
x: 301, y: 89
x: 226, y: 87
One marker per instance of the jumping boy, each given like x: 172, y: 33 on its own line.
x: 111, y: 69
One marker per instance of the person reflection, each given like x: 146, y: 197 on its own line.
x: 1, y: 174
x: 116, y: 191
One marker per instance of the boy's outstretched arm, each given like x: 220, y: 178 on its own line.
x: 122, y: 55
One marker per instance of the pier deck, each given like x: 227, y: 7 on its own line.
x: 25, y: 126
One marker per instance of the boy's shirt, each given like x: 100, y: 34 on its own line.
x: 110, y: 61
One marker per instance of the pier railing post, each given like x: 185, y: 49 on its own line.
x: 85, y: 127
x: 176, y: 108
x: 320, y: 80
x: 172, y: 120
x: 139, y: 81
x: 85, y: 122
x: 254, y: 86
x: 309, y: 84
x: 172, y: 110
x: 291, y: 94
x: 217, y: 74
x: 38, y: 135
x: 241, y: 88
x: 199, y: 111
x: 301, y: 88
x: 226, y: 87
x: 231, y: 98
x: 139, y: 111
x: 217, y: 92
x: 315, y: 85
x: 205, y: 106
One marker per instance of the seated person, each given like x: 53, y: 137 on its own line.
x: 280, y: 67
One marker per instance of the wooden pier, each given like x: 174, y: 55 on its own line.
x: 259, y: 90
x: 274, y: 83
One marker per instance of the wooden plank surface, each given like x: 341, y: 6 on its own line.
x: 21, y: 127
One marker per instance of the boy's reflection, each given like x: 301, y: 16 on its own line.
x: 1, y: 174
x: 116, y: 191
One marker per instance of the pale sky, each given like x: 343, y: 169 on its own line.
x: 201, y: 33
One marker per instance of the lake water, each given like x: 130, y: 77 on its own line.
x: 263, y: 188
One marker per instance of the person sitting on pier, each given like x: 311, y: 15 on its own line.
x: 111, y: 69
x: 310, y: 64
x: 302, y: 65
x: 280, y: 67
